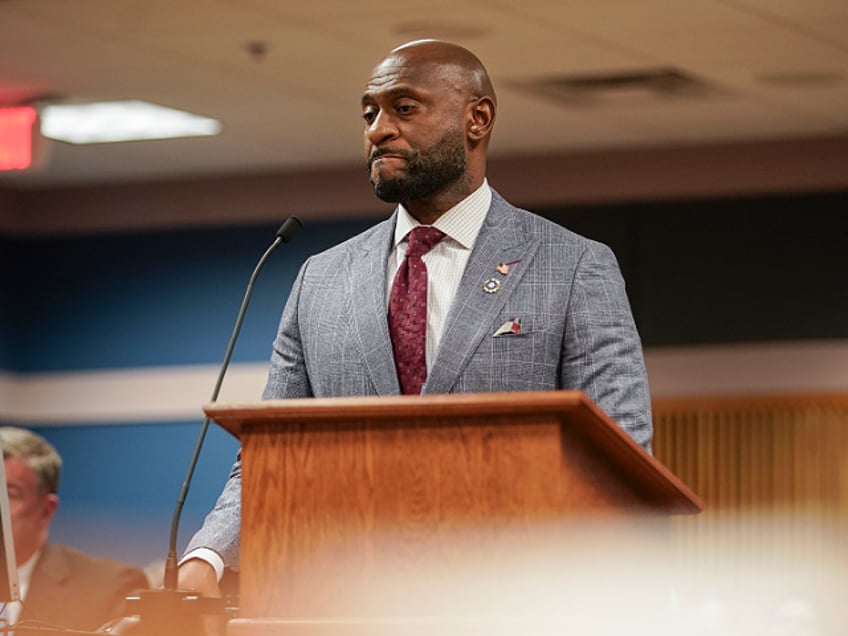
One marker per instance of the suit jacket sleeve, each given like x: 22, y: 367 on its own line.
x: 220, y: 529
x: 602, y: 351
x: 287, y: 376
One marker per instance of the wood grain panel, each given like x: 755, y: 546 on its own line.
x: 356, y: 498
x: 772, y: 471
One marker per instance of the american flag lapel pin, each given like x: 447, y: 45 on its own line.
x: 492, y: 285
x: 503, y: 268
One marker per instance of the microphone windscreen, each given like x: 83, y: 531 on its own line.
x: 289, y: 228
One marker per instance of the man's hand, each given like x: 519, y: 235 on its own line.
x: 198, y: 576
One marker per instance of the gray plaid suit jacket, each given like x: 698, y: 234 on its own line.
x: 577, y: 331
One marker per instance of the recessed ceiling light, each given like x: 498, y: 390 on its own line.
x: 620, y: 88
x: 110, y: 122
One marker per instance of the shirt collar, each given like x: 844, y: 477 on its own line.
x: 25, y: 571
x: 461, y: 223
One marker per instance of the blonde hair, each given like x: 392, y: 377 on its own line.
x: 36, y: 451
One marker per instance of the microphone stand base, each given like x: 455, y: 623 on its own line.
x: 177, y: 613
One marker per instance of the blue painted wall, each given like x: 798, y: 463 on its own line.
x: 135, y: 300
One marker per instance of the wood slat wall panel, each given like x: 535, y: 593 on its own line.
x: 772, y: 471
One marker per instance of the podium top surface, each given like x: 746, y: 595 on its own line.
x: 400, y: 407
x: 584, y: 419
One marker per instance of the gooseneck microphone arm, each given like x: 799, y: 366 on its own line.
x: 286, y: 232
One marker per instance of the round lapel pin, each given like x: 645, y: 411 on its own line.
x: 491, y: 285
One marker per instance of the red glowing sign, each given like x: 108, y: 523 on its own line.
x: 16, y: 137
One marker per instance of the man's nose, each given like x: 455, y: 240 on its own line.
x: 381, y: 129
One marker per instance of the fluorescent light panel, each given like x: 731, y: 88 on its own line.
x: 110, y: 122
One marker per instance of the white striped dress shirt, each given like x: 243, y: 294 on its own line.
x: 446, y: 261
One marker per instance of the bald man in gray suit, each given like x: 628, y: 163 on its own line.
x: 514, y: 302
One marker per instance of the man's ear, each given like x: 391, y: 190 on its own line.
x: 51, y: 503
x: 481, y: 119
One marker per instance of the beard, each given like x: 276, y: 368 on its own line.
x: 427, y: 171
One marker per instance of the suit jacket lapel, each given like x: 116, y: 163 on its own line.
x: 367, y: 289
x: 501, y: 240
x: 49, y: 572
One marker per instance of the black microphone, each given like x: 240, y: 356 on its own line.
x: 287, y: 231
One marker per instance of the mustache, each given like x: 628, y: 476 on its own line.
x: 408, y: 155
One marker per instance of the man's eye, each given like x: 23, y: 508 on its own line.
x: 369, y: 116
x: 405, y: 109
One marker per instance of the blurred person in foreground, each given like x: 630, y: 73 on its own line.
x: 513, y: 302
x: 59, y: 586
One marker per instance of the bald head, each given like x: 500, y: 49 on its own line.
x: 467, y: 69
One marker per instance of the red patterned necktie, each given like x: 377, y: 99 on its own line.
x: 408, y: 310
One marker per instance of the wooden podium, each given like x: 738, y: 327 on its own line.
x: 333, y: 490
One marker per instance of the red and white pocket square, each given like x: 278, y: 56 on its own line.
x: 510, y: 327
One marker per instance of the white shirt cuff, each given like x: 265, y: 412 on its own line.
x: 209, y: 556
